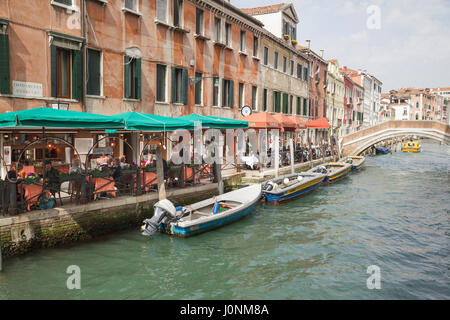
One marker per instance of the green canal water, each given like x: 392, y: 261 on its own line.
x: 393, y: 214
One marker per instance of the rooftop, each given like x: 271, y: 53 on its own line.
x: 266, y: 9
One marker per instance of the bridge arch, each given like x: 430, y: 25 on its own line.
x: 368, y: 143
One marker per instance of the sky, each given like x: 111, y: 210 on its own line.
x: 404, y: 43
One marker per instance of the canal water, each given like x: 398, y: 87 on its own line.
x: 393, y: 214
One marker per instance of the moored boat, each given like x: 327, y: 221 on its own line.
x: 382, y: 150
x: 291, y: 186
x: 411, y: 147
x: 204, y: 215
x: 356, y: 162
x: 334, y: 171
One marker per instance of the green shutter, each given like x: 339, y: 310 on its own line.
x: 174, y: 88
x: 54, y: 71
x: 223, y: 92
x: 93, y: 78
x: 304, y: 107
x: 77, y: 90
x: 298, y: 105
x: 126, y: 76
x: 138, y: 78
x: 5, y: 86
x: 278, y: 102
x: 184, y: 86
x: 285, y: 103
x: 231, y: 97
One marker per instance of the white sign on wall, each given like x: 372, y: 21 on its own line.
x: 27, y: 89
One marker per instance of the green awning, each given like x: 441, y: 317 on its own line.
x: 55, y: 118
x: 215, y: 122
x: 151, y: 122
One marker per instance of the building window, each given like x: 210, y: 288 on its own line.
x: 264, y: 106
x: 285, y: 27
x: 285, y: 103
x: 243, y: 41
x: 63, y: 66
x: 299, y: 71
x: 276, y: 101
x: 291, y: 103
x: 228, y: 34
x: 199, y: 21
x: 266, y: 56
x: 132, y: 78
x: 132, y: 5
x: 254, y: 95
x: 227, y: 93
x: 255, y: 46
x: 94, y: 58
x: 275, y: 60
x: 305, y: 73
x: 161, y: 80
x: 291, y: 67
x: 305, y: 106
x: 179, y: 85
x: 294, y: 33
x: 284, y: 64
x: 299, y: 105
x: 215, y: 91
x: 64, y: 2
x: 241, y: 95
x: 198, y: 89
x: 5, y: 86
x: 161, y: 10
x: 177, y: 13
x: 217, y: 30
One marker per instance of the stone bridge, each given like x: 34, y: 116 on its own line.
x: 355, y: 143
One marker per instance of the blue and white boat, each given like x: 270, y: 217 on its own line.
x: 291, y: 186
x: 382, y: 150
x: 204, y: 215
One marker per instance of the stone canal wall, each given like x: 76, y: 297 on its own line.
x: 48, y: 228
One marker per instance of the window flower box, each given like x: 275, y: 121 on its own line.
x: 286, y: 36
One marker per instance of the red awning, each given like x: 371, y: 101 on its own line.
x: 299, y: 122
x: 285, y: 121
x: 261, y: 120
x: 321, y: 123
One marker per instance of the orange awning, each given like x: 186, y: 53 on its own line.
x: 285, y: 121
x: 261, y: 120
x: 299, y: 122
x: 321, y: 123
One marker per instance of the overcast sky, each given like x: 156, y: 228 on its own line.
x: 410, y: 49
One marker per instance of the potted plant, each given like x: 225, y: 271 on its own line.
x: 285, y: 36
x: 294, y: 42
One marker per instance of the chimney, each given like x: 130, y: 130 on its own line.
x: 308, y: 43
x: 321, y: 53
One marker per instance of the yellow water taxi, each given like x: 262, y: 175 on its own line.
x: 411, y: 147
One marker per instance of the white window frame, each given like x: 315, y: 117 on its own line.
x: 218, y: 33
x: 180, y: 15
x: 243, y: 41
x: 202, y: 26
x: 166, y: 19
x: 230, y: 44
x: 136, y: 3
x: 62, y: 5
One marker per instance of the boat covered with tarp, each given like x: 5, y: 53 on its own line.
x: 356, y: 161
x: 333, y: 171
x: 291, y: 186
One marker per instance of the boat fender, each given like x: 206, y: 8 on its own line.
x: 216, y: 207
x: 286, y: 180
x: 299, y: 178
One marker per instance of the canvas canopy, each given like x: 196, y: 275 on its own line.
x: 150, y: 122
x: 214, y: 122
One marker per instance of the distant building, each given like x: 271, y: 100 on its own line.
x: 335, y: 97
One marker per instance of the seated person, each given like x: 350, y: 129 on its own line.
x: 76, y: 168
x: 51, y: 178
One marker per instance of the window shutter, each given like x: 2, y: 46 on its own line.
x: 93, y: 81
x: 138, y: 79
x: 77, y: 90
x: 184, y: 86
x: 285, y: 103
x: 278, y: 102
x: 223, y: 93
x: 174, y: 89
x: 4, y: 64
x: 126, y: 83
x: 231, y: 93
x: 54, y: 71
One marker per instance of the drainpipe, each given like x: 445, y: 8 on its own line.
x: 84, y: 55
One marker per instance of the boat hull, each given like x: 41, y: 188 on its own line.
x: 411, y: 149
x: 277, y: 199
x: 336, y: 177
x: 207, y: 226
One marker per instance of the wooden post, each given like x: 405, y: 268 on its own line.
x: 1, y: 268
x: 291, y: 148
x: 310, y: 150
x: 323, y: 151
x: 160, y: 173
x: 276, y: 141
x: 219, y: 177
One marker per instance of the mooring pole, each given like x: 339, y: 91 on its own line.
x: 276, y: 141
x: 291, y: 147
x: 160, y: 173
x: 219, y: 177
x: 1, y: 256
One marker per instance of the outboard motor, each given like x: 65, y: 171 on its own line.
x: 164, y: 211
